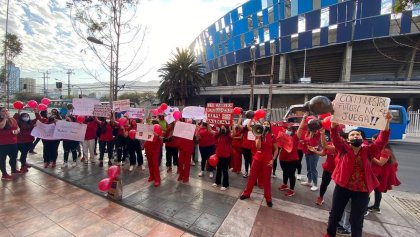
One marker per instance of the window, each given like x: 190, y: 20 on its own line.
x: 250, y: 25
x: 243, y: 41
x: 266, y: 34
x: 264, y: 4
x: 301, y: 24
x: 287, y: 8
x: 240, y: 13
x: 217, y: 25
x: 262, y: 49
x: 270, y: 15
x: 260, y: 19
x: 386, y: 7
x: 325, y: 17
x: 396, y: 116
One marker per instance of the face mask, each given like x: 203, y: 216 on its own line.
x: 356, y: 142
x: 26, y: 119
x: 222, y: 131
x: 289, y: 133
x: 266, y: 128
x: 108, y: 120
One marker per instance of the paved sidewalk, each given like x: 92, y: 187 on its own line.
x: 195, y: 207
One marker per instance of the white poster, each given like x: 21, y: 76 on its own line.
x: 120, y: 105
x: 251, y: 136
x: 144, y: 132
x: 70, y: 131
x: 84, y: 106
x: 361, y: 110
x: 136, y: 113
x: 44, y: 131
x: 169, y: 114
x: 102, y: 110
x: 193, y: 112
x: 184, y: 130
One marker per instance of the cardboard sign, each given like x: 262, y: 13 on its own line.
x: 121, y: 105
x: 136, y: 113
x: 361, y: 110
x: 219, y: 113
x: 43, y: 131
x: 70, y: 131
x: 102, y: 110
x: 251, y: 136
x: 145, y: 132
x: 193, y: 112
x: 184, y: 130
x: 116, y: 190
x: 84, y: 106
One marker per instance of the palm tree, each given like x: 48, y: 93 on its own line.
x: 181, y: 78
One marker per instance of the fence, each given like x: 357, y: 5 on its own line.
x: 277, y: 114
x: 413, y: 128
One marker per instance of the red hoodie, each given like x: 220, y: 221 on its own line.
x: 25, y: 130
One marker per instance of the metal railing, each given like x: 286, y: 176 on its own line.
x: 413, y: 128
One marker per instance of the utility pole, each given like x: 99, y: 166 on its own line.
x: 69, y: 72
x: 270, y: 88
x: 6, y: 79
x: 46, y: 78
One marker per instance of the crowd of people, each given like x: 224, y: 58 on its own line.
x: 357, y: 167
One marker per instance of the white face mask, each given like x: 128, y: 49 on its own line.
x: 26, y: 119
x: 108, y: 120
x: 289, y: 132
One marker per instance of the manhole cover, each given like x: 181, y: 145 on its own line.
x: 411, y: 206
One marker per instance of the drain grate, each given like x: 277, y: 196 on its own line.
x: 411, y: 206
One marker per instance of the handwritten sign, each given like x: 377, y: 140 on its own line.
x: 193, y: 112
x: 137, y: 113
x: 121, y: 105
x: 102, y: 110
x: 44, y: 131
x: 84, y: 106
x: 144, y: 132
x: 361, y: 110
x: 184, y: 130
x: 219, y: 113
x: 70, y: 131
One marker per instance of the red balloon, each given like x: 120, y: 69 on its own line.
x: 176, y: 115
x: 18, y: 105
x: 45, y: 101
x: 237, y: 110
x: 213, y: 160
x: 104, y: 184
x: 122, y: 121
x: 80, y: 119
x: 160, y: 111
x: 32, y: 104
x: 132, y: 134
x: 163, y: 106
x: 259, y: 114
x: 157, y: 129
x: 326, y: 123
x: 114, y: 172
x: 42, y: 107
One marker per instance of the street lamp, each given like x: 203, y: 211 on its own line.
x: 111, y: 78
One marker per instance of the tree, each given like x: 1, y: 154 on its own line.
x: 12, y: 47
x: 401, y: 5
x: 181, y: 78
x: 24, y: 96
x: 108, y: 22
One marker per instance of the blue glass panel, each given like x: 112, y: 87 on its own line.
x: 254, y: 21
x: 305, y: 6
x: 210, y: 54
x: 249, y: 38
x: 277, y: 41
x: 240, y: 27
x: 234, y: 15
x: 305, y: 40
x: 261, y: 34
x: 210, y: 66
x: 333, y: 15
x: 289, y: 26
x: 323, y: 36
x: 212, y: 29
x: 274, y: 30
x: 251, y: 7
x: 381, y: 25
x: 267, y: 48
x: 286, y: 44
x: 215, y: 64
x: 216, y: 38
x: 406, y: 22
x: 325, y: 3
x: 230, y: 59
x: 227, y: 19
x: 313, y: 19
x: 230, y: 45
x: 370, y: 7
x: 343, y: 12
x: 276, y: 12
x: 372, y: 27
x: 344, y: 32
x: 281, y: 16
x: 243, y: 55
x: 237, y: 42
x: 265, y: 17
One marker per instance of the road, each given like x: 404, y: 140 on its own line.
x: 408, y: 156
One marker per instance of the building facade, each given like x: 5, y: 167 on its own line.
x: 27, y: 85
x: 13, y: 74
x: 310, y: 47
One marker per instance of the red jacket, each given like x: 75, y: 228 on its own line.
x: 106, y: 135
x: 174, y: 143
x: 265, y: 154
x: 25, y: 130
x: 153, y: 146
x: 6, y: 134
x: 344, y: 167
x: 206, y: 138
x: 329, y: 164
x: 223, y: 145
x: 90, y: 134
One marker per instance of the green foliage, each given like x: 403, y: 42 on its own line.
x: 181, y: 78
x: 13, y: 46
x: 24, y: 96
x: 401, y: 5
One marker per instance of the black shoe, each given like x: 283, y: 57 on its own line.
x: 243, y: 197
x: 101, y: 164
x: 269, y: 204
x: 374, y: 209
x: 343, y: 232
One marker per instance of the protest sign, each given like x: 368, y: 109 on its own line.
x: 184, y: 130
x: 44, y: 131
x: 219, y: 113
x: 361, y: 110
x: 169, y: 117
x: 251, y: 136
x: 144, y: 132
x: 120, y: 105
x: 136, y: 113
x: 193, y: 112
x: 102, y: 110
x: 84, y: 106
x: 70, y: 131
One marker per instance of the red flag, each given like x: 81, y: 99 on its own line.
x: 285, y: 141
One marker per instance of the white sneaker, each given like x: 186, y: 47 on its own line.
x: 214, y: 185
x: 131, y: 168
x: 64, y: 165
x: 192, y: 163
x: 273, y: 176
x: 142, y: 167
x: 223, y: 188
x: 200, y: 174
x: 305, y: 183
x: 314, y: 188
x: 299, y: 177
x: 245, y: 175
x: 211, y: 174
x: 231, y: 169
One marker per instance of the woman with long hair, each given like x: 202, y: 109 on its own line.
x: 207, y: 146
x: 70, y: 146
x: 223, y: 147
x: 24, y: 138
x: 9, y: 130
x: 50, y: 149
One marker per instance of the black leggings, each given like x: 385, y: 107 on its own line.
x: 121, y: 148
x: 171, y: 156
x: 34, y: 144
x: 222, y: 170
x: 134, y: 151
x: 50, y: 150
x: 106, y: 146
x: 247, y: 157
x: 378, y: 198
x: 10, y: 150
x: 326, y: 180
x: 299, y: 168
x: 24, y: 149
x: 70, y: 146
x: 206, y: 152
x: 289, y: 169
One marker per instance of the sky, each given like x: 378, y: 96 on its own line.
x: 50, y: 43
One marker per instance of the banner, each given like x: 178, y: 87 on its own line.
x: 361, y: 110
x: 102, y: 110
x: 193, y: 112
x: 84, y: 106
x: 219, y: 113
x: 120, y: 105
x: 44, y: 131
x: 70, y: 131
x: 136, y: 113
x: 144, y: 132
x: 184, y: 130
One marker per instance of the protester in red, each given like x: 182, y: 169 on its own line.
x: 207, y: 147
x: 171, y: 147
x: 152, y: 149
x: 353, y: 176
x: 24, y: 138
x: 89, y: 142
x: 223, y: 148
x: 70, y: 146
x: 50, y: 149
x: 247, y: 145
x: 266, y: 152
x: 8, y: 143
x: 186, y: 148
x: 106, y: 139
x: 289, y: 162
x: 237, y: 137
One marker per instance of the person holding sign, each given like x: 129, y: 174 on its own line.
x: 106, y: 139
x: 24, y: 138
x: 206, y: 145
x: 152, y: 149
x: 8, y: 143
x: 266, y: 153
x: 353, y: 176
x: 186, y: 148
x: 248, y: 145
x: 171, y: 147
x: 70, y: 146
x: 223, y: 147
x: 50, y: 149
x: 89, y: 142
